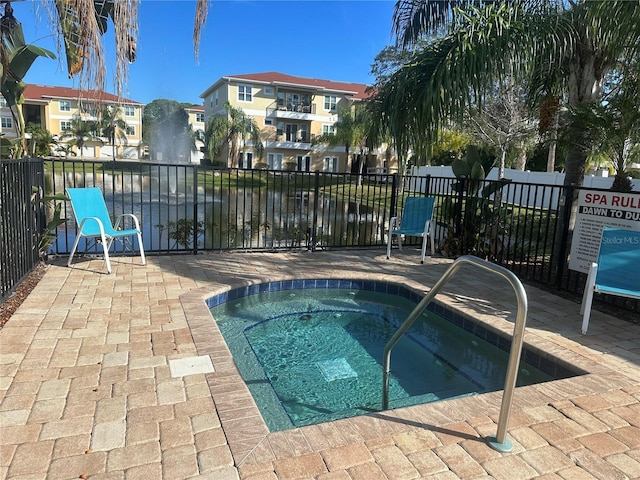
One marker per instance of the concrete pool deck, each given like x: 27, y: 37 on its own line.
x: 109, y: 376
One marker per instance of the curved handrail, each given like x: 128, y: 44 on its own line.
x: 499, y: 442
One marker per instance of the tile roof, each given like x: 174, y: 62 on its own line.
x: 355, y: 90
x: 46, y: 93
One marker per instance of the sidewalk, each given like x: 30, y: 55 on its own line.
x: 89, y: 383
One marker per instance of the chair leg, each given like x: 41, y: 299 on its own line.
x: 144, y: 261
x: 105, y: 247
x: 73, y: 250
x: 423, y: 253
x: 587, y: 297
x: 433, y: 244
x: 392, y: 224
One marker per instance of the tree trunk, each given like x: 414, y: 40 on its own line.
x: 347, y: 168
x: 584, y: 84
x: 553, y: 143
x: 521, y: 161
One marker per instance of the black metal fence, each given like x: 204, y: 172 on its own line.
x: 186, y: 208
x: 21, y: 214
x: 523, y: 227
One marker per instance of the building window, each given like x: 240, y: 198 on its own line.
x: 330, y: 102
x: 303, y: 163
x: 65, y: 106
x: 244, y: 93
x: 274, y: 161
x: 268, y: 121
x: 65, y: 125
x: 303, y: 135
x: 328, y: 129
x: 6, y: 122
x: 88, y: 108
x: 268, y: 91
x: 330, y: 164
x: 3, y: 102
x: 200, y: 117
x: 129, y: 111
x: 130, y: 130
x: 217, y: 96
x: 246, y: 160
x: 292, y: 132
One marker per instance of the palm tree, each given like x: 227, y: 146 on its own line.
x: 82, y: 25
x: 113, y: 125
x: 351, y: 130
x: 614, y: 127
x: 81, y: 132
x: 41, y: 141
x: 570, y: 45
x: 16, y: 58
x: 224, y: 133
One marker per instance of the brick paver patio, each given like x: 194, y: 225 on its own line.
x: 88, y: 383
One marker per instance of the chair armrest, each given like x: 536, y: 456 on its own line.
x: 95, y: 219
x: 393, y: 223
x: 121, y: 217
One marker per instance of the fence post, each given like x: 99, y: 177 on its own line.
x: 458, y: 213
x: 563, y: 223
x: 314, y: 226
x: 394, y: 196
x: 195, y: 209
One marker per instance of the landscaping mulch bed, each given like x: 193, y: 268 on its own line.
x: 22, y: 291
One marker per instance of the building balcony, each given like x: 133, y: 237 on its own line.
x: 302, y: 142
x: 297, y: 111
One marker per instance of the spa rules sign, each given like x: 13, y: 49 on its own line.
x: 597, y: 210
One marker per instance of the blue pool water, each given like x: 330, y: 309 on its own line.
x: 313, y: 355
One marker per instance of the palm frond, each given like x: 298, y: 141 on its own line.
x: 202, y: 10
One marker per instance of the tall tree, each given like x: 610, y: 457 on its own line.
x: 113, y: 126
x: 575, y: 43
x: 41, y: 140
x: 81, y: 25
x: 351, y: 130
x: 81, y: 132
x: 224, y: 134
x: 614, y: 124
x: 504, y: 124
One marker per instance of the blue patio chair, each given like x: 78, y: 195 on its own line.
x: 617, y: 270
x: 415, y: 222
x: 94, y: 222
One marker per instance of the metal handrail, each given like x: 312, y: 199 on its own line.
x: 499, y: 442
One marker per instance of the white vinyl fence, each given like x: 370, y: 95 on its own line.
x: 514, y: 193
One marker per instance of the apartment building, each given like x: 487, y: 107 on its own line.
x: 54, y: 108
x: 292, y: 112
x: 196, y: 120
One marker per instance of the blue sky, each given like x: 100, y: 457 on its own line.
x: 332, y: 40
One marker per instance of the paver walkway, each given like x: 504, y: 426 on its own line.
x: 90, y: 386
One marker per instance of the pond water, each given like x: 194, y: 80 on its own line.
x: 166, y: 203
